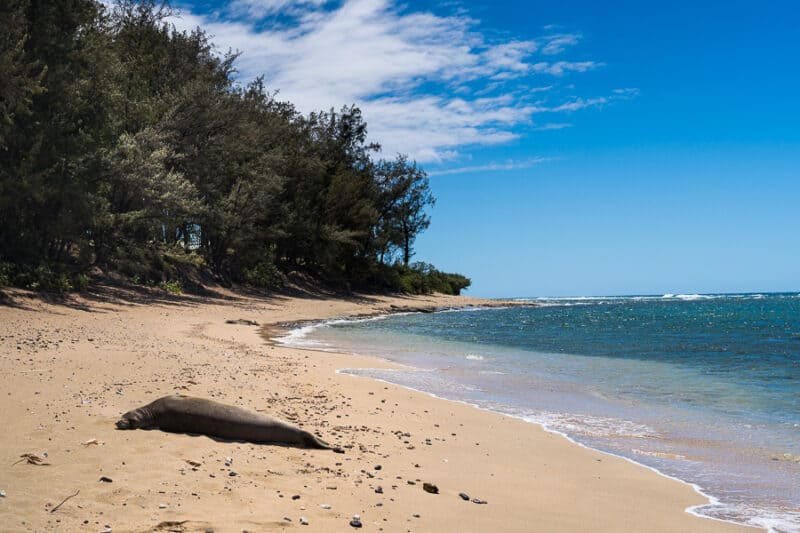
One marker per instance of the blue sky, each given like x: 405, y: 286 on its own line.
x: 575, y: 147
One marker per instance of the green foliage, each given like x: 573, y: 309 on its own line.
x: 46, y: 278
x: 423, y: 278
x: 127, y: 144
x: 173, y: 286
x: 264, y: 275
x: 80, y: 282
x: 6, y: 273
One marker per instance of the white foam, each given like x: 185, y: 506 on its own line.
x: 475, y: 357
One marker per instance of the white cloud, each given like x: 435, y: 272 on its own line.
x: 423, y: 81
x: 560, y: 68
x: 556, y: 44
x: 258, y: 9
x: 553, y: 126
x: 491, y: 167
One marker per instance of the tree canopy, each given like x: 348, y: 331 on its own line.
x: 130, y: 146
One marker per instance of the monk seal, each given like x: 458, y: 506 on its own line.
x: 184, y: 414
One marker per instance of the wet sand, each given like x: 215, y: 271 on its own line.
x: 68, y: 369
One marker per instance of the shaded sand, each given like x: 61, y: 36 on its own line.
x: 69, y: 369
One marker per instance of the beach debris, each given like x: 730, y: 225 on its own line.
x: 304, y: 520
x: 379, y: 489
x: 479, y: 501
x: 54, y: 509
x: 91, y: 441
x: 242, y: 322
x: 105, y: 479
x: 464, y: 496
x: 430, y: 488
x: 2, y: 494
x: 356, y: 521
x: 107, y: 529
x: 326, y: 506
x: 33, y: 459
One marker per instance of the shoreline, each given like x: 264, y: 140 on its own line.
x: 282, y: 331
x: 67, y: 376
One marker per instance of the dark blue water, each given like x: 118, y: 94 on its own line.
x: 704, y: 388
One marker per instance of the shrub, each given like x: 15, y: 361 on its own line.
x: 264, y: 275
x: 6, y: 273
x: 173, y: 286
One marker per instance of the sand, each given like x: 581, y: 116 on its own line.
x: 69, y: 368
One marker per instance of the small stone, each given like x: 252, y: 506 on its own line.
x: 356, y: 521
x: 464, y: 496
x: 479, y: 502
x: 415, y: 515
x: 2, y: 494
x: 378, y: 467
x: 325, y: 506
x: 296, y: 497
x: 105, y: 479
x: 379, y: 489
x: 228, y: 461
x: 430, y: 487
x: 303, y: 520
x: 232, y: 473
x: 287, y: 519
x: 162, y: 505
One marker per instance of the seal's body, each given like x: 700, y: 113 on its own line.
x: 184, y: 414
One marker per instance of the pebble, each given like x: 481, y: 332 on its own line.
x: 303, y: 520
x: 162, y: 505
x: 296, y: 497
x: 464, y: 496
x: 479, y: 502
x: 105, y: 479
x: 232, y: 473
x: 325, y: 506
x: 379, y: 489
x: 378, y: 467
x: 228, y: 461
x: 356, y: 521
x: 2, y: 494
x: 430, y: 487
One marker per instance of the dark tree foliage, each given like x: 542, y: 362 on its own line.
x: 129, y: 146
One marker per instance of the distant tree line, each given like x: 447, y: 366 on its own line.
x: 129, y: 146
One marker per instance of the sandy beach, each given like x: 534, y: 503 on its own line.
x: 68, y: 369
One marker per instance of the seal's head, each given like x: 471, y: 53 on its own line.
x: 132, y: 420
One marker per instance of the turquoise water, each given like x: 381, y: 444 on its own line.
x: 705, y: 388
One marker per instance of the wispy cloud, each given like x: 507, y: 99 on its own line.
x: 560, y: 68
x: 428, y: 85
x: 556, y: 44
x: 552, y: 126
x: 492, y: 167
x: 258, y: 9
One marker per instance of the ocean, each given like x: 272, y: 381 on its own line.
x: 703, y: 388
